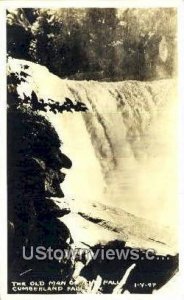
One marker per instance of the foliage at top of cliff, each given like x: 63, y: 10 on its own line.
x: 32, y: 101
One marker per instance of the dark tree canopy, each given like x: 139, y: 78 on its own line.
x: 103, y: 44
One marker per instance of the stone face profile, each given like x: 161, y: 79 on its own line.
x: 34, y: 177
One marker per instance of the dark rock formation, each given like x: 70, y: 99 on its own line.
x: 34, y: 177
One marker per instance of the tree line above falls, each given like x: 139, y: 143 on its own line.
x: 99, y: 44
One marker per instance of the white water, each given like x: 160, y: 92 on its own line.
x: 124, y: 148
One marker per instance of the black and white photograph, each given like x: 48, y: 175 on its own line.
x: 92, y: 150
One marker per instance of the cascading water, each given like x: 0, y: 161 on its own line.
x: 123, y: 148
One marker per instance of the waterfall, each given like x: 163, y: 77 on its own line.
x: 123, y: 148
